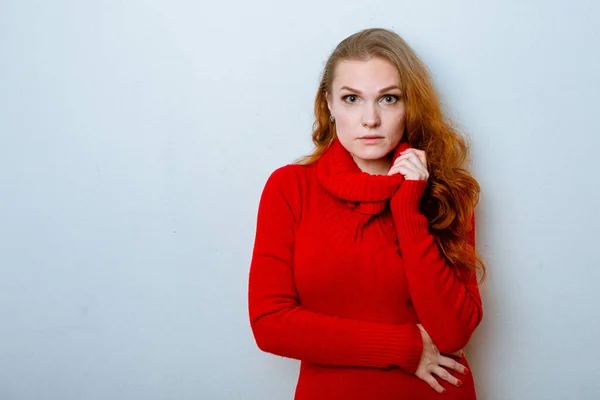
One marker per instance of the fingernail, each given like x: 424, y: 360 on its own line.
x: 467, y: 371
x: 459, y: 384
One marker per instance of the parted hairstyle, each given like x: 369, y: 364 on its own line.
x: 452, y: 193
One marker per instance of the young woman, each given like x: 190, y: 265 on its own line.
x: 364, y: 265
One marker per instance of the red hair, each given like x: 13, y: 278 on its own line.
x: 452, y: 193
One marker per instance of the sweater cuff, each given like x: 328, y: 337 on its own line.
x: 406, y: 206
x: 400, y: 347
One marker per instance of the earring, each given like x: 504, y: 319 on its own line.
x: 332, y: 118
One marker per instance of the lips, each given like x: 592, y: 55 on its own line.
x: 368, y: 137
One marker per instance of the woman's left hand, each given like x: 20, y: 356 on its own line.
x: 412, y: 164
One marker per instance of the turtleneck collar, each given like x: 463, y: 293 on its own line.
x: 339, y: 175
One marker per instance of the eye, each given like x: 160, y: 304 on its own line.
x: 350, y: 98
x: 390, y: 99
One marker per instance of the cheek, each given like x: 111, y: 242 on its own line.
x: 345, y: 124
x: 398, y: 119
x: 402, y: 117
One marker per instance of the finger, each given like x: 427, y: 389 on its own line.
x: 434, y: 384
x: 402, y: 163
x: 420, y: 153
x: 406, y: 162
x: 417, y: 158
x: 403, y: 169
x: 417, y: 172
x: 412, y: 156
x: 452, y: 364
x: 404, y: 156
x: 445, y: 375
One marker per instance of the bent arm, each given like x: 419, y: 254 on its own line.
x: 283, y: 327
x: 448, y: 308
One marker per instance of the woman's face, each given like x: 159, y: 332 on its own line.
x: 367, y: 104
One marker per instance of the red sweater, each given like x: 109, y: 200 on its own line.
x: 343, y: 269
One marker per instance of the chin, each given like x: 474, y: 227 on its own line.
x: 372, y: 152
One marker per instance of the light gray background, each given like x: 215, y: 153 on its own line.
x: 136, y: 137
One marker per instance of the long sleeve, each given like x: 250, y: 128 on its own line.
x: 279, y: 322
x: 448, y: 308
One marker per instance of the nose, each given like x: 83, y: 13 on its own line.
x: 370, y: 118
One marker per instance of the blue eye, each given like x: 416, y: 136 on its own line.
x: 390, y: 99
x: 350, y: 98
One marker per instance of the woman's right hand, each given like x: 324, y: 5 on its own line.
x: 432, y: 362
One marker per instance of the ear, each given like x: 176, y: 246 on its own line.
x: 328, y: 99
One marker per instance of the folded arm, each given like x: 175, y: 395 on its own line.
x: 448, y: 308
x: 279, y: 322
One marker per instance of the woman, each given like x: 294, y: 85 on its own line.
x: 364, y: 266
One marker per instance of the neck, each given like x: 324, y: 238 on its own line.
x: 374, y: 167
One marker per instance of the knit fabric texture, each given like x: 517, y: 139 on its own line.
x: 343, y: 268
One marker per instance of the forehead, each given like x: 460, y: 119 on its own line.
x: 365, y: 75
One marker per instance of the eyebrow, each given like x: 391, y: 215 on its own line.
x: 381, y: 91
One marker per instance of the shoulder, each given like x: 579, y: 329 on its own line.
x: 289, y: 184
x: 291, y: 178
x: 283, y: 174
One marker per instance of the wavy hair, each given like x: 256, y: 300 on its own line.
x: 452, y: 194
